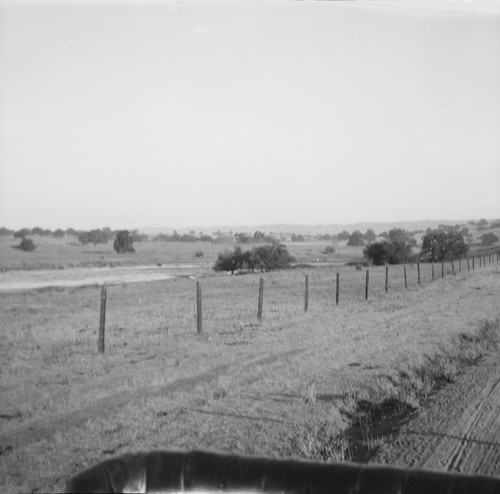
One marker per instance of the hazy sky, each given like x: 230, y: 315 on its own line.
x: 206, y: 113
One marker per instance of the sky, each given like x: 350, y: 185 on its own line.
x: 177, y: 113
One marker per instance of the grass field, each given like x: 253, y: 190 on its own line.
x: 286, y: 387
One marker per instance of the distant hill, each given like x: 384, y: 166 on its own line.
x: 333, y: 228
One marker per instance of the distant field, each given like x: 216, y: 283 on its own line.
x: 66, y: 252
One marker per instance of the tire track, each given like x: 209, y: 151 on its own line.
x: 38, y: 430
x: 459, y: 430
x: 482, y: 415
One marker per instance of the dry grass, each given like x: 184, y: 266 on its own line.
x: 290, y: 386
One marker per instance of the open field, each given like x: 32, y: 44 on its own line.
x: 286, y: 387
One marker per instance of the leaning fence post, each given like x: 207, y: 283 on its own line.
x: 418, y: 272
x: 367, y: 282
x: 337, y: 288
x: 199, y: 312
x: 452, y: 266
x: 406, y: 278
x: 306, y: 294
x: 386, y: 278
x: 261, y: 299
x: 102, y: 320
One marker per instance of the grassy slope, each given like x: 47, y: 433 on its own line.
x: 241, y: 387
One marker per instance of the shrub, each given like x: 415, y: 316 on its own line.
x: 264, y: 258
x: 438, y: 245
x: 27, y: 245
x: 329, y: 249
x: 488, y: 238
x: 199, y: 253
x: 396, y: 250
x: 356, y: 238
x: 123, y: 242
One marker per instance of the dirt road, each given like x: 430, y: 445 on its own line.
x: 459, y: 428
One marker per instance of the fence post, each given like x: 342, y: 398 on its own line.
x: 432, y: 271
x: 442, y: 269
x: 468, y: 264
x: 199, y: 313
x: 367, y: 281
x: 306, y: 294
x: 337, y: 288
x: 386, y: 278
x: 102, y: 320
x: 418, y: 272
x: 261, y: 299
x: 406, y: 278
x: 460, y: 265
x: 473, y: 263
x: 452, y: 266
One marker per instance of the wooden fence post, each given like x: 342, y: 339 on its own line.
x: 102, y: 320
x: 418, y: 272
x: 406, y: 278
x: 452, y: 266
x: 261, y: 299
x: 473, y: 263
x: 386, y: 278
x: 460, y: 265
x: 306, y: 294
x: 337, y: 288
x: 442, y: 269
x: 199, y: 312
x: 432, y: 271
x: 367, y: 282
x: 468, y: 264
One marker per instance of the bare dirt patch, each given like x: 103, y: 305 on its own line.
x: 458, y: 430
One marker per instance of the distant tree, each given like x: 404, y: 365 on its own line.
x: 343, y: 236
x: 72, y: 232
x: 482, y: 222
x: 94, y: 237
x: 228, y: 261
x: 123, y: 242
x: 369, y: 236
x: 439, y: 245
x: 58, y: 233
x: 356, y: 238
x: 27, y: 245
x: 6, y: 231
x: 270, y: 257
x: 488, y: 239
x: 297, y: 238
x: 263, y: 258
x: 242, y: 238
x: 329, y: 249
x: 378, y: 253
x: 22, y: 233
x: 495, y: 224
x: 259, y: 236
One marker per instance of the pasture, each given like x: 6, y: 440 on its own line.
x: 285, y: 387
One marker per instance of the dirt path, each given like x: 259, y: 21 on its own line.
x: 459, y: 428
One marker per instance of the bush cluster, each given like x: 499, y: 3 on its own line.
x: 263, y: 258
